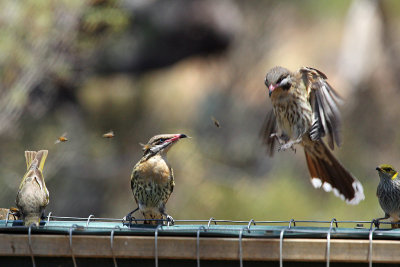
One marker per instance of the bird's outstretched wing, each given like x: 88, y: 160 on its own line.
x: 269, y: 127
x: 324, y: 102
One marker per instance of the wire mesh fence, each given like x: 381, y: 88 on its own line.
x: 203, y: 229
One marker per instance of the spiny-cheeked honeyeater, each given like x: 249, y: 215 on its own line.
x: 152, y: 179
x: 304, y: 109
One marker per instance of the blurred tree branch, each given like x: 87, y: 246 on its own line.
x: 42, y: 43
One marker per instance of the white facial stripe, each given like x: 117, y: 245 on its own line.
x: 285, y: 81
x: 158, y: 148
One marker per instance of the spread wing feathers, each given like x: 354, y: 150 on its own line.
x: 269, y: 127
x: 324, y: 101
x: 327, y: 172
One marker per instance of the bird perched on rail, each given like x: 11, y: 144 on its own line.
x: 33, y: 196
x: 388, y: 193
x: 152, y: 179
x: 305, y: 110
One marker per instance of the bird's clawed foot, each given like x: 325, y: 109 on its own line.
x: 282, y: 139
x: 376, y: 222
x: 284, y: 142
x: 288, y: 145
x: 129, y: 218
x: 170, y: 220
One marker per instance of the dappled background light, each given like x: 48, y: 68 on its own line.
x: 142, y: 68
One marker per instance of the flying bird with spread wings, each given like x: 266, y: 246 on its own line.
x: 305, y: 109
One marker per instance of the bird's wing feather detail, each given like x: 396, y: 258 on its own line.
x: 269, y: 127
x: 39, y: 182
x: 324, y: 101
x: 171, y: 185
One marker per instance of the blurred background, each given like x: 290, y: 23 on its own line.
x: 142, y: 68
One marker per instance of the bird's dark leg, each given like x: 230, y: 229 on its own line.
x: 42, y: 216
x: 282, y: 138
x: 129, y: 216
x: 377, y: 221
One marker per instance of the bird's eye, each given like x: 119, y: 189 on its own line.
x: 279, y: 80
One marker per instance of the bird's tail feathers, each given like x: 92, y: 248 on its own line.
x: 327, y: 172
x: 40, y: 156
x: 151, y: 217
x: 32, y: 218
x: 29, y: 157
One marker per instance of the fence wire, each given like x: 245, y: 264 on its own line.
x: 91, y: 225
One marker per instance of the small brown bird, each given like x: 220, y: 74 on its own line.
x: 62, y: 138
x: 109, y: 134
x: 305, y: 110
x: 388, y: 193
x: 33, y: 196
x: 152, y: 179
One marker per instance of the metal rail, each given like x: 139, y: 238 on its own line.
x: 235, y: 228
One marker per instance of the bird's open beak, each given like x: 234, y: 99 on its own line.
x: 271, y: 88
x: 168, y: 142
x: 378, y: 169
x: 176, y: 138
